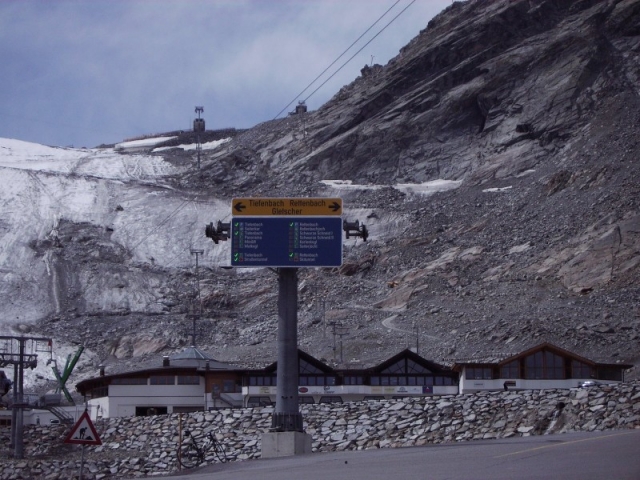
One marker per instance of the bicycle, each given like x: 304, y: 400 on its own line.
x: 191, y: 454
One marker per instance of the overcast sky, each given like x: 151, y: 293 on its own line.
x: 87, y: 72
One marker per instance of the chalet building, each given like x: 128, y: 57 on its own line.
x: 192, y: 381
x: 543, y: 366
x: 186, y: 382
x: 404, y: 374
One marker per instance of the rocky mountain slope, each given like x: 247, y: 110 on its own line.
x: 495, y: 162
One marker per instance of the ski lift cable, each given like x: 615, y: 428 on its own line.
x: 160, y: 224
x: 339, y: 57
x: 362, y: 48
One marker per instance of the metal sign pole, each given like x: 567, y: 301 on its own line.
x: 82, y: 461
x: 287, y: 416
x: 260, y: 229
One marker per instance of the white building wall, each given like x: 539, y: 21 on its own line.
x: 354, y: 392
x: 35, y: 416
x: 476, y: 385
x: 445, y: 390
x: 123, y: 399
x: 99, y: 408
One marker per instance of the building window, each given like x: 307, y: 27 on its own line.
x: 554, y: 365
x: 413, y: 367
x: 353, y: 380
x: 580, y: 370
x: 311, y: 380
x: 544, y: 365
x: 262, y: 381
x: 610, y: 373
x: 99, y: 392
x: 425, y: 381
x: 405, y: 366
x: 315, y: 380
x: 443, y: 381
x: 162, y: 380
x: 398, y: 367
x: 401, y: 381
x: 305, y: 367
x: 510, y: 370
x: 129, y: 381
x: 534, y: 366
x: 478, y: 373
x: 188, y: 380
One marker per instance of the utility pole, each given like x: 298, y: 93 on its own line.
x: 333, y: 330
x: 342, y: 331
x: 196, y: 253
x: 323, y: 313
x: 339, y: 330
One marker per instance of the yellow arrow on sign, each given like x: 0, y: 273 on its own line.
x: 286, y: 207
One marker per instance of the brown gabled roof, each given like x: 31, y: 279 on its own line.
x: 307, y: 358
x: 104, y: 380
x: 189, y: 361
x: 541, y: 346
x: 410, y: 354
x: 547, y: 346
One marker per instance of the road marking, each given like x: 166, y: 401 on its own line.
x: 562, y: 444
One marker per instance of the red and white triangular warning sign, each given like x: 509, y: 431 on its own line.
x: 83, y: 432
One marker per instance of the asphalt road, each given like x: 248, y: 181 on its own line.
x: 611, y: 455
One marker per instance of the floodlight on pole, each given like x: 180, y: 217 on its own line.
x: 198, y: 126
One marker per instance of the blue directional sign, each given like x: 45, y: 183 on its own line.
x: 286, y: 242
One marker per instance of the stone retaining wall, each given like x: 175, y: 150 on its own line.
x: 143, y: 446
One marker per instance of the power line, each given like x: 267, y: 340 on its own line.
x: 339, y: 57
x: 353, y: 56
x: 160, y: 224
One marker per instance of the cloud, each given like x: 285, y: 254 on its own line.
x: 84, y: 73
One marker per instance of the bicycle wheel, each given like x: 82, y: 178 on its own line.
x: 188, y: 456
x: 218, y: 449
